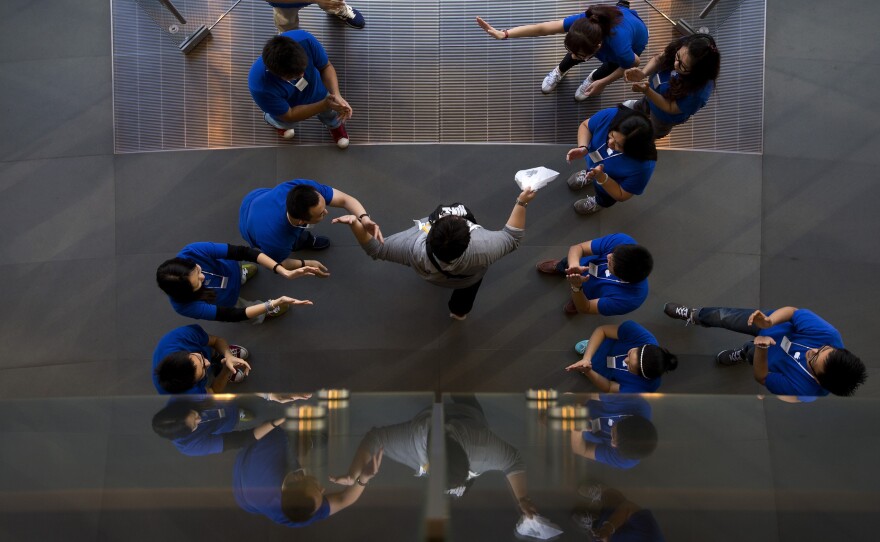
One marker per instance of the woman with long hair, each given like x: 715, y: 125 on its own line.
x: 677, y: 83
x: 613, y: 34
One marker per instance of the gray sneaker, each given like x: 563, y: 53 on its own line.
x: 586, y: 206
x: 730, y: 357
x: 552, y: 81
x: 579, y: 180
x: 581, y: 93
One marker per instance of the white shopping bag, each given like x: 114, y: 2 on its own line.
x: 537, y: 527
x: 535, y: 178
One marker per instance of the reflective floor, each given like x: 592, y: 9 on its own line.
x: 653, y: 468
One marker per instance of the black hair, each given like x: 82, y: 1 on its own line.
x: 586, y: 34
x: 300, y: 200
x: 457, y: 466
x: 449, y: 237
x: 170, y: 422
x: 632, y: 263
x: 296, y: 504
x: 173, y: 278
x: 284, y: 57
x: 843, y: 372
x: 705, y: 64
x: 176, y: 372
x: 654, y: 361
x: 636, y: 437
x: 636, y: 127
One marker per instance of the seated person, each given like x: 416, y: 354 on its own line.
x: 623, y: 358
x: 618, y: 282
x: 608, y: 515
x: 619, y: 431
x: 794, y: 351
x: 189, y: 361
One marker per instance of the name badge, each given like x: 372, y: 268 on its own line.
x: 593, y: 269
x: 612, y: 362
x: 301, y: 84
x: 785, y: 344
x: 594, y: 426
x: 655, y: 81
x: 595, y: 156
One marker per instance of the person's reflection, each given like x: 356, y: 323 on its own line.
x: 268, y: 479
x: 619, y: 431
x: 471, y: 450
x: 607, y: 515
x: 200, y: 425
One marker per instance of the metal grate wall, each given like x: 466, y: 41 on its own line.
x: 421, y: 71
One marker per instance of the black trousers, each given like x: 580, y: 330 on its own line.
x: 462, y: 299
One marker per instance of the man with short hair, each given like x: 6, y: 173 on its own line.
x: 293, y: 80
x: 448, y: 249
x: 286, y: 14
x: 607, y: 275
x: 794, y: 352
x: 276, y: 220
x: 189, y: 361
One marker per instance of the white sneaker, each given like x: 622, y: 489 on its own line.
x: 630, y: 104
x: 580, y: 94
x: 552, y: 81
x: 457, y: 317
x: 287, y: 134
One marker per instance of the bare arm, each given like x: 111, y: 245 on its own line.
x: 304, y: 111
x: 354, y: 207
x: 548, y: 28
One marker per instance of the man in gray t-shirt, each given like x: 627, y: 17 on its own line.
x: 452, y: 251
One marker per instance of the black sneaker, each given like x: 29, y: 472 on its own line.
x: 319, y: 242
x: 680, y: 312
x: 730, y: 357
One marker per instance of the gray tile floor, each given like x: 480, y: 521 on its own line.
x: 84, y: 230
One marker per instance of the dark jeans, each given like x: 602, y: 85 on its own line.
x: 462, y: 299
x: 732, y: 319
x: 604, y: 200
x: 304, y: 241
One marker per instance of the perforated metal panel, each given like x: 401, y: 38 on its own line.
x: 421, y: 71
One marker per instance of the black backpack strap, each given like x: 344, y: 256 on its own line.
x: 437, y: 265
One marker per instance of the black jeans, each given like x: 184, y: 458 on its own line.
x: 462, y: 299
x: 732, y: 319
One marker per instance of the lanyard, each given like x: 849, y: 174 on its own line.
x: 596, y: 156
x: 594, y: 272
x: 794, y: 359
x: 223, y: 281
x: 612, y: 363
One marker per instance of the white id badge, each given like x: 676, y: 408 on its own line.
x: 595, y: 156
x: 785, y: 344
x: 655, y: 81
x: 215, y: 281
x: 301, y: 84
x: 613, y: 363
x: 593, y: 426
x: 593, y: 269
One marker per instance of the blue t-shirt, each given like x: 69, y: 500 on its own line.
x: 217, y: 270
x: 262, y: 220
x: 628, y: 38
x: 257, y: 476
x: 639, y: 527
x: 632, y: 175
x: 189, y: 339
x: 789, y: 374
x: 688, y: 105
x: 207, y: 438
x: 629, y: 335
x: 615, y: 296
x: 275, y: 95
x: 612, y: 409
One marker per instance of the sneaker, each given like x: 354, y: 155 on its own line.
x: 319, y: 242
x: 681, y: 312
x: 581, y: 93
x: 340, y: 136
x: 548, y: 267
x: 584, y: 521
x: 277, y: 311
x: 239, y: 351
x: 586, y: 206
x: 248, y: 270
x: 730, y: 357
x: 570, y: 308
x: 579, y: 180
x: 351, y: 17
x: 591, y: 492
x: 581, y: 346
x: 458, y: 317
x: 286, y: 134
x: 552, y: 81
x: 631, y: 104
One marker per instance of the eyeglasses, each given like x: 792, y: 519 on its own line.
x: 815, y: 356
x: 682, y: 68
x: 580, y: 56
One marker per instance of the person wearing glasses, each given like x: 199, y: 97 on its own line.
x: 204, y: 281
x: 188, y: 361
x: 615, y: 35
x: 794, y: 352
x: 677, y: 83
x: 618, y: 146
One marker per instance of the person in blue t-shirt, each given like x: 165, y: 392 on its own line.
x: 613, y: 34
x: 609, y: 516
x: 268, y: 479
x: 205, y: 279
x: 794, y: 353
x: 607, y: 275
x: 619, y: 431
x: 276, y: 220
x: 677, y: 83
x: 294, y: 80
x: 189, y: 361
x: 286, y: 14
x: 623, y: 358
x: 618, y: 146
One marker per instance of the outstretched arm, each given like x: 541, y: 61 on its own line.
x: 354, y: 207
x: 548, y: 28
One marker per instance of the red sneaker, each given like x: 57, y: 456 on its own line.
x: 286, y: 134
x: 340, y: 136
